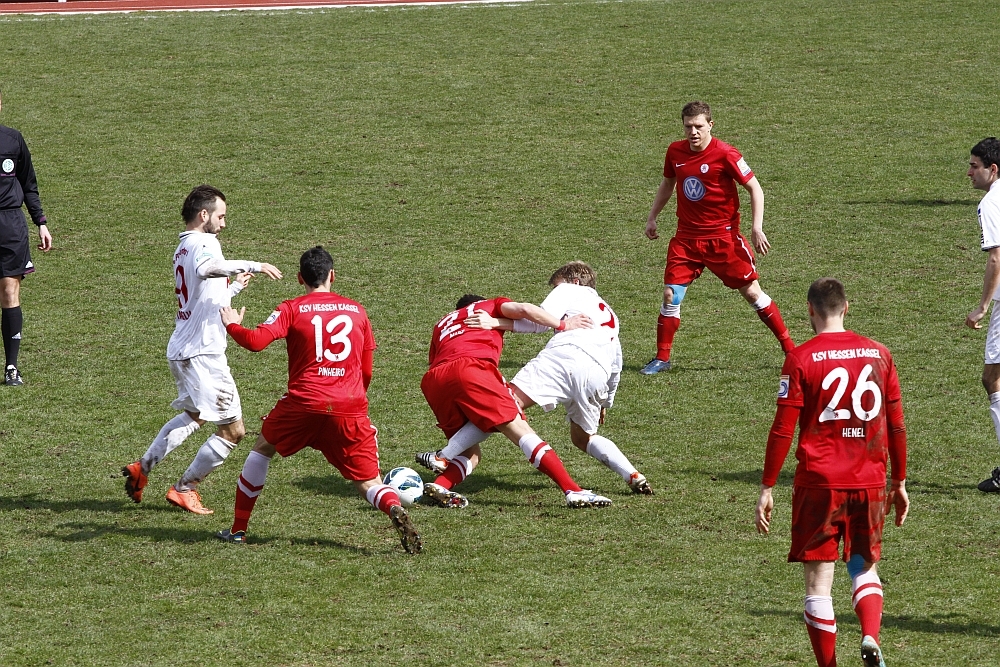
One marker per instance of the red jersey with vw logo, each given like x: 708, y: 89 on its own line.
x: 708, y: 205
x: 841, y: 382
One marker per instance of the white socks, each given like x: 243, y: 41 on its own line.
x: 529, y: 444
x: 173, y: 433
x: 607, y: 452
x: 210, y: 456
x: 671, y: 311
x: 819, y: 613
x: 467, y: 436
x: 763, y: 302
x: 251, y: 481
x: 995, y: 412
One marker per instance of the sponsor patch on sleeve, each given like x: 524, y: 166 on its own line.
x: 272, y: 318
x: 203, y: 256
x: 783, y: 386
x: 743, y: 166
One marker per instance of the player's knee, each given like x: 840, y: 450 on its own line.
x: 856, y: 564
x: 233, y: 431
x: 673, y: 294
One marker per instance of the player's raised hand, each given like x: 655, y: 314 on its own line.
x: 759, y: 240
x: 230, y: 315
x: 579, y: 321
x: 480, y: 319
x: 651, y: 230
x: 270, y: 271
x: 242, y: 278
x: 898, y: 500
x: 44, y: 238
x: 764, y: 506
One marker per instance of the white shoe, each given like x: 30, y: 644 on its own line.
x: 432, y: 462
x: 442, y: 497
x: 637, y: 482
x: 586, y: 498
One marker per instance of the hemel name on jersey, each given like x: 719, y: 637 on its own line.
x: 327, y: 307
x: 852, y: 353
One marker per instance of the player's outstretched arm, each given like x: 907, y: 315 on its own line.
x: 482, y: 320
x: 765, y: 504
x: 254, y: 340
x: 223, y: 268
x: 659, y: 201
x: 529, y: 311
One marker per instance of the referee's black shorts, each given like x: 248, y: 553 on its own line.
x: 15, y: 252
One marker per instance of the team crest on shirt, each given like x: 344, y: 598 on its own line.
x: 272, y: 317
x: 694, y: 189
x: 783, y: 386
x: 704, y: 168
x: 742, y: 165
x: 8, y: 165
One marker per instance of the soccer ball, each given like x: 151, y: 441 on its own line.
x: 407, y: 483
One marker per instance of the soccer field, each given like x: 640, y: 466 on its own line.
x: 447, y: 149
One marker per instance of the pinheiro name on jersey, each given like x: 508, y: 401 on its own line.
x: 331, y: 372
x: 851, y: 353
x: 327, y: 307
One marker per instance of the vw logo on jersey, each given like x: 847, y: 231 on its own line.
x: 694, y: 190
x: 8, y: 165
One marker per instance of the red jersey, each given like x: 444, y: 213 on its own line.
x: 328, y: 336
x: 708, y: 205
x: 452, y: 340
x: 841, y: 382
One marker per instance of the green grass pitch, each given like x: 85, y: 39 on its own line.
x: 439, y: 150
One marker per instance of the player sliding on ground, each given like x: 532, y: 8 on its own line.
x: 705, y: 172
x: 579, y: 369
x: 206, y: 390
x: 330, y: 348
x: 842, y: 390
x: 470, y: 398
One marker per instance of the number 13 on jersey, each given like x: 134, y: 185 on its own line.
x: 335, y: 340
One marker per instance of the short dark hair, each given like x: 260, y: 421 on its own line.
x: 315, y: 265
x: 579, y: 271
x: 696, y: 108
x: 988, y: 150
x: 467, y: 299
x: 827, y: 296
x: 202, y: 198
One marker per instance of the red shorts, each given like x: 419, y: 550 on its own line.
x: 729, y: 258
x: 822, y: 517
x: 468, y: 390
x: 348, y: 443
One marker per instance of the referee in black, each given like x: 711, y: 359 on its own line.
x: 17, y: 187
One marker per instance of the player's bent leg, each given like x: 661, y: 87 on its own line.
x: 384, y: 497
x: 459, y: 468
x: 212, y: 454
x: 607, y: 452
x: 667, y: 325
x: 819, y: 617
x: 173, y: 433
x: 991, y: 383
x: 248, y: 487
x: 767, y: 311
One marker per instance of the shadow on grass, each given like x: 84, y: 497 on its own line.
x: 84, y: 532
x: 953, y: 623
x: 34, y: 502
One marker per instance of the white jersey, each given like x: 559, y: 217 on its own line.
x: 601, y: 342
x: 989, y: 222
x: 199, y: 328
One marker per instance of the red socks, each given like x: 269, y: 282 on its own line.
x: 822, y: 627
x: 382, y: 497
x: 666, y: 328
x: 771, y: 316
x: 458, y: 469
x: 866, y: 597
x: 248, y: 487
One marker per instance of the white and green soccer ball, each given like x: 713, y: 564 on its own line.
x: 407, y: 483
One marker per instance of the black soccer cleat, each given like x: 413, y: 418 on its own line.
x: 226, y: 535
x: 408, y: 536
x: 991, y: 485
x: 12, y: 377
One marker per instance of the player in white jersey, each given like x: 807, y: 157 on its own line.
x: 197, y: 352
x: 984, y: 172
x: 579, y: 369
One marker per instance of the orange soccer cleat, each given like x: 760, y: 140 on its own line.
x: 187, y: 500
x: 135, y: 480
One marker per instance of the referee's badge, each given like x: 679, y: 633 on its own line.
x: 783, y: 386
x: 8, y: 165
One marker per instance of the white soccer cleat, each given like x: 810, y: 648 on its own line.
x: 442, y: 497
x: 637, y: 482
x: 432, y: 462
x: 586, y: 498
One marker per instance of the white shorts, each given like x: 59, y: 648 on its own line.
x: 205, y: 386
x: 992, y: 355
x: 568, y: 376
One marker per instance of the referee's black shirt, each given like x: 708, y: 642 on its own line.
x: 17, y: 176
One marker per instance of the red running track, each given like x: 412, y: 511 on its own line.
x: 96, y: 6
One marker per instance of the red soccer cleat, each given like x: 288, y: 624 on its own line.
x: 135, y: 480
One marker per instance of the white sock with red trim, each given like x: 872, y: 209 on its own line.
x: 866, y: 596
x: 382, y: 497
x: 822, y: 627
